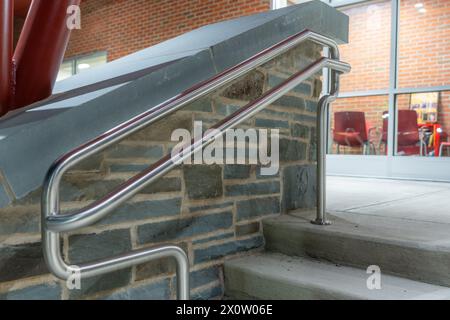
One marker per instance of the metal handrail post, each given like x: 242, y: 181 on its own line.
x: 322, y: 124
x: 332, y: 86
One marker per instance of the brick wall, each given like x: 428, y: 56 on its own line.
x: 424, y: 44
x: 368, y: 50
x: 214, y: 212
x: 123, y: 27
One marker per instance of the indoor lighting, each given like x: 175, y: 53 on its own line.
x: 83, y: 66
x: 422, y: 10
x: 418, y: 5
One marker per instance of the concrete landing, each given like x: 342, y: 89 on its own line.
x: 400, y: 199
x: 276, y: 276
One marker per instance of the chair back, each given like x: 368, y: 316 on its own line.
x: 350, y: 128
x: 407, y: 128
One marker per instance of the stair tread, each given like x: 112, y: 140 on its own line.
x: 278, y: 276
x: 403, y: 232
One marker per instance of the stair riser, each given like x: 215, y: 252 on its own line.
x: 243, y: 285
x: 415, y: 263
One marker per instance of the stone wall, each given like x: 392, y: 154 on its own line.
x: 214, y: 212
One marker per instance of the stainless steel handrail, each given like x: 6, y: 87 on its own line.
x: 53, y: 222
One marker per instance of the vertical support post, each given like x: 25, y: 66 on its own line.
x: 6, y: 52
x: 322, y: 145
x: 330, y: 94
x: 40, y: 50
x: 322, y: 126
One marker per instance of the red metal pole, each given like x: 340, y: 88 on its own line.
x: 40, y: 50
x: 6, y: 52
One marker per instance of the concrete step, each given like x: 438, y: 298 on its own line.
x: 277, y: 276
x: 405, y: 248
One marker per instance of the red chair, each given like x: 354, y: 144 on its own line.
x: 409, y: 136
x: 441, y: 148
x: 444, y: 144
x: 350, y: 130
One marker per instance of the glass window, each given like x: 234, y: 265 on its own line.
x: 89, y: 62
x: 368, y: 50
x: 337, y: 3
x: 423, y: 124
x: 424, y: 43
x: 80, y: 64
x: 65, y: 71
x: 359, y: 125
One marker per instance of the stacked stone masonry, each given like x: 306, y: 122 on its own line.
x: 213, y: 212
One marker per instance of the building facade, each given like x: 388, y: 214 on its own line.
x: 398, y: 51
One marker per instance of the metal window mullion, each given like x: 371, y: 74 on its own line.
x: 365, y: 93
x: 74, y: 67
x: 397, y: 91
x: 393, y: 79
x: 422, y: 89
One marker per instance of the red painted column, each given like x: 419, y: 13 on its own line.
x: 6, y: 52
x: 40, y: 50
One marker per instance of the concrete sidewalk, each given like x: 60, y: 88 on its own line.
x: 398, y: 199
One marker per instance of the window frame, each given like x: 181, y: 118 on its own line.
x: 394, y: 90
x: 391, y: 165
x: 75, y: 59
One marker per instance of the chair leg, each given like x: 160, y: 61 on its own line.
x: 423, y: 148
x: 373, y: 149
x: 382, y: 148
